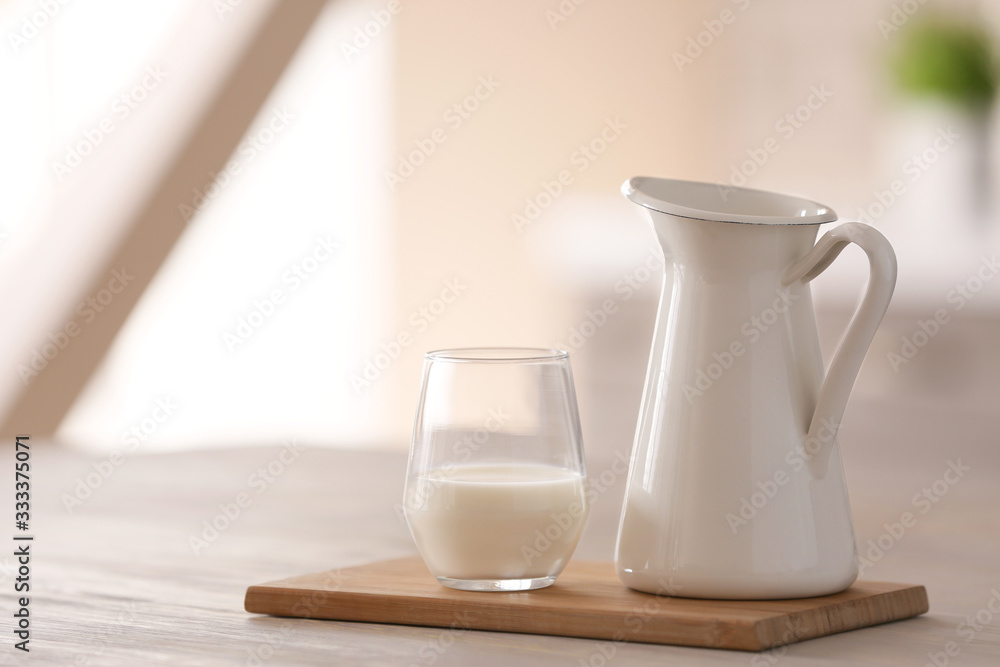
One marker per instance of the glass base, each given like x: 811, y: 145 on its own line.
x: 497, y: 584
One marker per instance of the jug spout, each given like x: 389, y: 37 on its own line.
x: 723, y: 203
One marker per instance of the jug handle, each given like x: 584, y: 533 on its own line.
x: 851, y: 353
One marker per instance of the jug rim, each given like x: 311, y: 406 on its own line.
x: 718, y: 202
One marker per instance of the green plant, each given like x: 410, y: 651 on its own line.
x: 948, y: 60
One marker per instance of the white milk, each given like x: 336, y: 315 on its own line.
x: 496, y: 521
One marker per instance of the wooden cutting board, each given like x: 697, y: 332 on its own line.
x: 586, y: 601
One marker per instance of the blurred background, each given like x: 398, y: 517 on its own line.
x: 231, y: 223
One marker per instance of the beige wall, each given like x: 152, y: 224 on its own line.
x: 559, y: 82
x: 558, y: 87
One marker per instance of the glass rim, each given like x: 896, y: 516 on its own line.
x: 497, y: 355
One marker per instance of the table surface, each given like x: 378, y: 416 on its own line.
x: 120, y: 578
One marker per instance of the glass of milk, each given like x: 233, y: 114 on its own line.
x: 495, y: 491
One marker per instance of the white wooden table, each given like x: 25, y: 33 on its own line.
x: 117, y: 580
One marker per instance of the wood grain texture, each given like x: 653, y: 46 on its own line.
x: 586, y: 601
x: 115, y: 580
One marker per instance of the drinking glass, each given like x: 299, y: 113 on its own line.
x: 495, y: 493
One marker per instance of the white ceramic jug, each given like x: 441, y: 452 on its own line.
x: 736, y: 488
